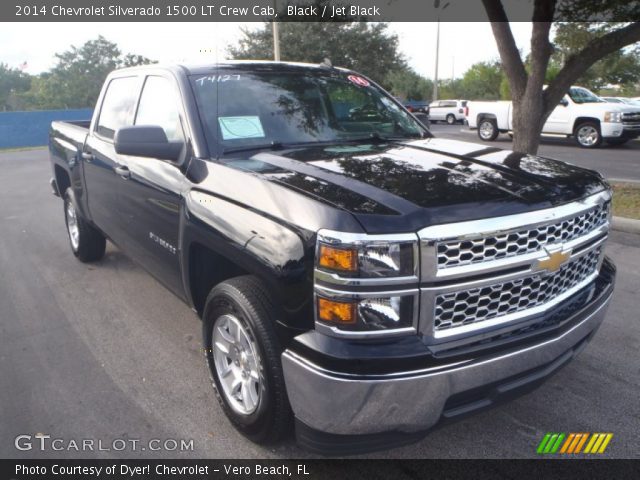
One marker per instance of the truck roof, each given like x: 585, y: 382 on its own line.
x: 202, y: 68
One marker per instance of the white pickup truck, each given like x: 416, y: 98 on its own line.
x: 580, y: 114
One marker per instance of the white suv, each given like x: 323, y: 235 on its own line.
x: 450, y: 111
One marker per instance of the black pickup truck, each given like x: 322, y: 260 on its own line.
x: 352, y: 272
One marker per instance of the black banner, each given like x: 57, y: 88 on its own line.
x: 315, y: 469
x: 303, y: 10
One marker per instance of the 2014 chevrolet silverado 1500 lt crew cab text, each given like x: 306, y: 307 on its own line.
x: 352, y: 272
x: 581, y: 114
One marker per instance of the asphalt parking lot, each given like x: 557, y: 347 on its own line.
x: 615, y: 163
x: 103, y: 351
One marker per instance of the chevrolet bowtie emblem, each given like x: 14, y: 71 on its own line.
x: 554, y: 260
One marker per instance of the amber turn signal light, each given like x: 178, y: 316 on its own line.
x: 338, y: 258
x: 336, y: 312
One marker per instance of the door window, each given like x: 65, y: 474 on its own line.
x: 158, y: 106
x: 118, y: 105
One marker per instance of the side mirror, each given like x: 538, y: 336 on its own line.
x: 564, y: 102
x: 146, y: 141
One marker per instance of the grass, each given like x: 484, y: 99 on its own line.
x: 20, y: 149
x: 626, y: 200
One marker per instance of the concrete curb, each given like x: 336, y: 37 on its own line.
x: 628, y: 225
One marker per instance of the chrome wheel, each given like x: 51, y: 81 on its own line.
x: 451, y: 119
x: 237, y: 364
x: 588, y: 135
x: 72, y: 226
x: 486, y: 130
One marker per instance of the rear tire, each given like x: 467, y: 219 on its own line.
x: 87, y: 243
x: 587, y: 135
x: 259, y: 407
x: 451, y: 119
x: 487, y: 129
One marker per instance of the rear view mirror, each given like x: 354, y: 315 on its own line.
x: 564, y: 102
x: 146, y: 141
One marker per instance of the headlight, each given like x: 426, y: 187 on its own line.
x: 354, y: 255
x: 613, y: 117
x: 382, y: 314
x: 366, y: 284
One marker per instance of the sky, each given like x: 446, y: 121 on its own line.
x: 461, y: 44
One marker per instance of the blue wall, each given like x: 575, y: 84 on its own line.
x: 31, y: 129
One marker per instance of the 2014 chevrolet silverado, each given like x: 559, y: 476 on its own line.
x: 352, y: 271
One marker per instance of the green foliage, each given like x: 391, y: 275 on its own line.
x: 482, y: 81
x: 365, y: 47
x: 619, y: 68
x: 74, y: 82
x: 409, y: 85
x: 13, y: 82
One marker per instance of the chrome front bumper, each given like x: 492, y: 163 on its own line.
x: 415, y: 401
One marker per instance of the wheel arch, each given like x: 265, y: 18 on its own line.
x: 580, y: 120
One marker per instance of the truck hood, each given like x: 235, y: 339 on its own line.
x: 423, y: 182
x: 601, y: 108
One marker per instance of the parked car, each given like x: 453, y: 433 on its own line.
x: 352, y: 272
x: 623, y: 100
x: 450, y: 111
x: 581, y: 115
x: 419, y: 106
x: 613, y: 100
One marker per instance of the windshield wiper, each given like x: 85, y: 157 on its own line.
x: 376, y: 137
x: 265, y: 146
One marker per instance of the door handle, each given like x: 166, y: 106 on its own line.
x: 87, y: 156
x: 123, y: 171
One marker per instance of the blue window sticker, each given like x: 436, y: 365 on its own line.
x: 241, y: 127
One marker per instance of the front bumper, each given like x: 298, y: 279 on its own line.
x: 619, y: 130
x: 409, y: 402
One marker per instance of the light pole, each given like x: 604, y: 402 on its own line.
x: 276, y: 41
x: 276, y: 34
x: 436, y: 5
x: 435, y: 78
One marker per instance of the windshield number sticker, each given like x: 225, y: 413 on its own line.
x: 358, y: 80
x: 217, y: 78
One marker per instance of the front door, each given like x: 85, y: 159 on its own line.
x: 152, y: 195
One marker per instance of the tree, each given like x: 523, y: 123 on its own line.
x: 482, y: 81
x: 365, y: 47
x: 12, y: 83
x: 409, y: 85
x: 621, y: 67
x: 532, y: 104
x: 75, y: 81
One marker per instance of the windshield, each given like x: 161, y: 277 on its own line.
x: 582, y: 95
x: 244, y: 109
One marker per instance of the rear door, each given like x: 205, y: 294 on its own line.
x: 151, y: 196
x: 104, y: 185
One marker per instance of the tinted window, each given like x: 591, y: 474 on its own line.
x: 159, y: 106
x: 258, y: 108
x: 118, y: 105
x: 449, y: 103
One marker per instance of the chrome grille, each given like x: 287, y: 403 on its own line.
x: 476, y: 305
x: 488, y: 248
x: 631, y: 120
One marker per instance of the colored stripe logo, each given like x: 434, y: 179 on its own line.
x: 573, y: 443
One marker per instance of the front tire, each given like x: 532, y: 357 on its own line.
x: 87, y: 243
x: 487, y: 129
x: 587, y: 135
x: 243, y: 356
